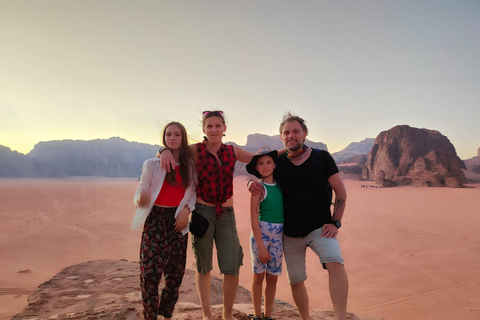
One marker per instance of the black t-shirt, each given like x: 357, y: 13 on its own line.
x: 306, y: 198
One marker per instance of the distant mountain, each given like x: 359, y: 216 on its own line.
x: 257, y: 141
x: 117, y: 157
x: 114, y: 157
x: 14, y: 164
x: 473, y: 164
x: 473, y: 168
x: 354, y: 149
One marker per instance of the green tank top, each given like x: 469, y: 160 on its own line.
x: 271, y: 207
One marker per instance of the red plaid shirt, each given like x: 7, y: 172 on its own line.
x: 215, y: 182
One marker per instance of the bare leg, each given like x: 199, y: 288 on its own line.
x: 270, y: 290
x: 203, y: 288
x: 338, y: 284
x: 300, y: 296
x: 230, y: 286
x: 257, y: 282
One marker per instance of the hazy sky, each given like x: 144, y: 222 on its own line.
x: 96, y: 69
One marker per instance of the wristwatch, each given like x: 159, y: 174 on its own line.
x: 336, y: 223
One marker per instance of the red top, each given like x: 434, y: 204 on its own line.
x: 215, y: 182
x: 171, y: 195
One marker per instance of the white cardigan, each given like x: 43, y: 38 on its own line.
x: 151, y: 181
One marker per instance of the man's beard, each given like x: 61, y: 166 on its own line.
x: 297, y: 147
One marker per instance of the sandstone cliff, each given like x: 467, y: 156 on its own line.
x: 109, y: 289
x: 410, y: 156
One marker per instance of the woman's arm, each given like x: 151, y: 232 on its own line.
x: 188, y: 201
x: 243, y: 155
x: 167, y: 161
x: 142, y: 195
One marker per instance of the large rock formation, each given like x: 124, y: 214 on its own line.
x: 410, y: 156
x: 109, y: 289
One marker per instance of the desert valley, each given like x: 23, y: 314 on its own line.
x: 411, y: 252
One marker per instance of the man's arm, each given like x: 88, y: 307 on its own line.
x: 336, y: 182
x: 337, y: 185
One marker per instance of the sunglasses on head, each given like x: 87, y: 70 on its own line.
x: 216, y: 113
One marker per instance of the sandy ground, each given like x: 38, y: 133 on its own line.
x: 411, y: 253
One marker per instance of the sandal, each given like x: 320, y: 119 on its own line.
x: 253, y: 317
x: 268, y: 318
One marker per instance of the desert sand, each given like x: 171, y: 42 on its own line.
x: 410, y: 253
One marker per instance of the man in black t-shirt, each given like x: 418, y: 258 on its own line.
x: 307, y: 177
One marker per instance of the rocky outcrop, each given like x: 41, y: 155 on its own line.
x: 410, y: 156
x: 109, y: 289
x: 353, y: 165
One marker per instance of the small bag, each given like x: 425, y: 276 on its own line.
x: 198, y: 224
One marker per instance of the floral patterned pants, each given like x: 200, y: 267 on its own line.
x: 163, y: 250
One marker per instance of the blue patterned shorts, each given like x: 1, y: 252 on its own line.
x: 272, y: 236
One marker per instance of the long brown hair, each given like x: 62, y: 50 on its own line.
x: 185, y: 158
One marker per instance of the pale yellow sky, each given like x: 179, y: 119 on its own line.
x: 96, y: 69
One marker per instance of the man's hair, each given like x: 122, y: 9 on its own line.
x: 289, y: 117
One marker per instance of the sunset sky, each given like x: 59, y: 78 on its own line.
x: 95, y: 69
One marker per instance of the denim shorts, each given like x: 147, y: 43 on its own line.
x: 327, y: 249
x: 224, y: 232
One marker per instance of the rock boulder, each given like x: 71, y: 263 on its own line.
x: 410, y: 156
x: 110, y: 289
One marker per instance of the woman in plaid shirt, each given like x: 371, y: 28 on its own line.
x: 215, y: 163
